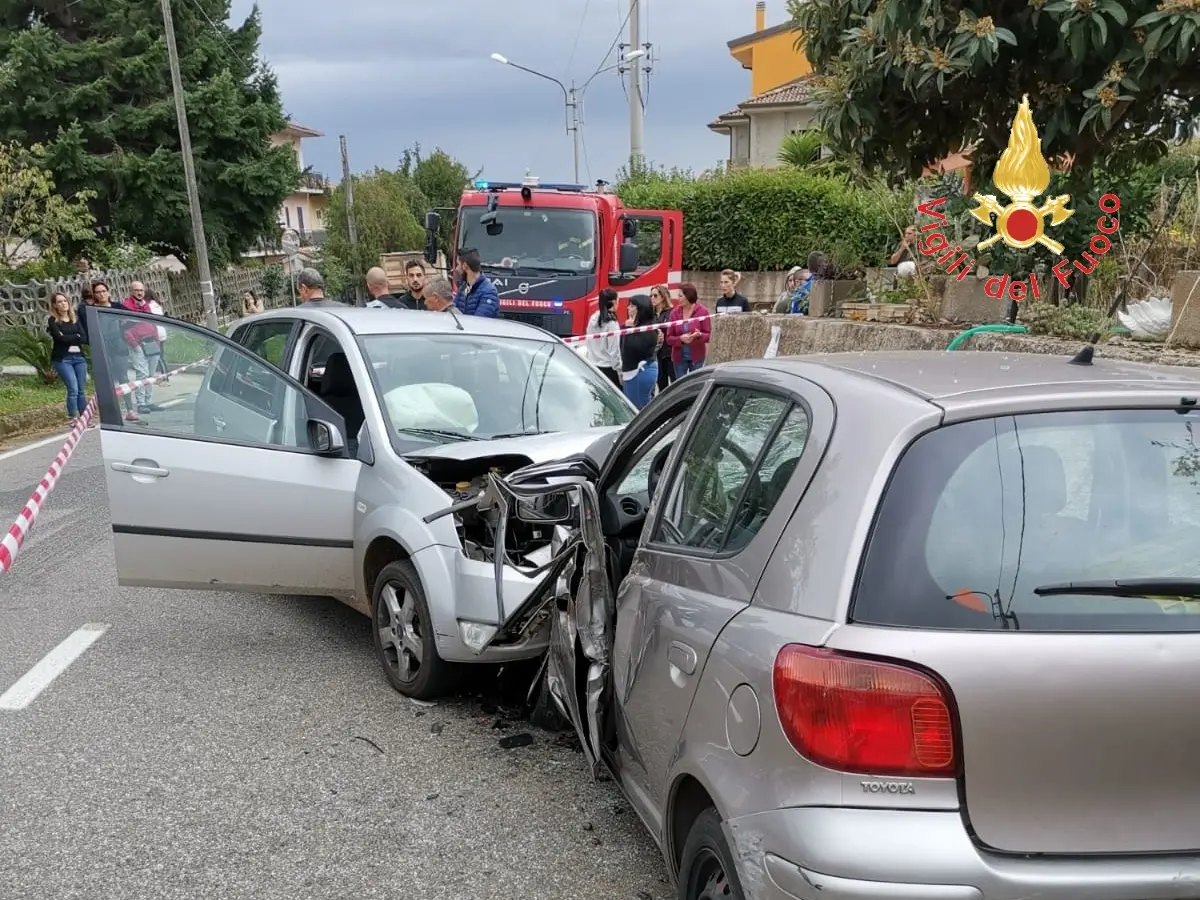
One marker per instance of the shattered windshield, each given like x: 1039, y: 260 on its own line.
x: 439, y: 388
x: 542, y: 239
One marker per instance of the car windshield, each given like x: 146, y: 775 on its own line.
x: 533, y: 238
x: 984, y: 522
x: 437, y: 388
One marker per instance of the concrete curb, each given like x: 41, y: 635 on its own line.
x: 30, y: 421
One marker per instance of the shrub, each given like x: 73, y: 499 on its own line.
x: 1073, y: 322
x: 772, y: 219
x: 30, y: 346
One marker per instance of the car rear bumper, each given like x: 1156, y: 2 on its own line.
x: 878, y: 854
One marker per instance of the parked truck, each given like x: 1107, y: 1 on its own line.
x: 551, y: 248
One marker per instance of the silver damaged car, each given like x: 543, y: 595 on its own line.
x: 918, y: 626
x: 311, y: 453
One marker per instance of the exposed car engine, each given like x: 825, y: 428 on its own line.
x: 463, y: 481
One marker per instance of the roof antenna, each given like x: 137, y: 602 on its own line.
x: 1088, y: 351
x: 454, y: 312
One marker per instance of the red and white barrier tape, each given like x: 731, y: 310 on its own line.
x: 660, y: 326
x: 130, y: 386
x: 11, y: 543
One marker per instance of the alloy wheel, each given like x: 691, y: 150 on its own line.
x: 400, y: 631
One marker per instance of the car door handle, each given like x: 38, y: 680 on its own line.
x: 682, y: 657
x: 132, y: 469
x: 218, y: 423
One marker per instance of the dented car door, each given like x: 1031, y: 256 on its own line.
x: 574, y: 593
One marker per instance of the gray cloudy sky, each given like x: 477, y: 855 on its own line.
x: 386, y: 74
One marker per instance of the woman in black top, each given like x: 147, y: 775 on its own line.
x: 730, y: 300
x: 660, y: 298
x: 639, y: 352
x: 66, y: 352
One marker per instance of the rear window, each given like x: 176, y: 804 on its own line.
x: 979, y: 514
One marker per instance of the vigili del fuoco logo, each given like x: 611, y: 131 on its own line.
x: 1022, y: 175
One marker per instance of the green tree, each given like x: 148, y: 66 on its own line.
x: 386, y: 207
x: 89, y: 80
x: 440, y: 178
x: 904, y: 83
x: 32, y: 212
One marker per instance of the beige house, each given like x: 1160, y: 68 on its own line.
x: 757, y: 127
x: 303, y: 211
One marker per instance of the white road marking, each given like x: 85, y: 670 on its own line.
x: 58, y: 438
x: 49, y: 667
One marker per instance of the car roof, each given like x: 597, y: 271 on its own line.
x: 968, y: 380
x: 361, y: 320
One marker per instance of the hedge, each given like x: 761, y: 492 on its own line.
x: 772, y: 219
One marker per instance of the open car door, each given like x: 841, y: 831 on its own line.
x: 577, y: 589
x: 223, y: 473
x: 573, y: 590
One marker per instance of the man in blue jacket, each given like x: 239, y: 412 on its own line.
x: 477, y: 295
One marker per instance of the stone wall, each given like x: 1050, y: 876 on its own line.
x: 1185, y: 310
x: 747, y: 336
x: 28, y: 304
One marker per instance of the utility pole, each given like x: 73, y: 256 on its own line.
x: 189, y: 174
x: 636, y: 109
x: 573, y: 124
x: 351, y: 227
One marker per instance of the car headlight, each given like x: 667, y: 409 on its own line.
x: 475, y: 634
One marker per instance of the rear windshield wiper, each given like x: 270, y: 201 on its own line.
x: 440, y: 433
x: 1125, y: 587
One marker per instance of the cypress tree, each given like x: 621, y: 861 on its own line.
x: 89, y: 80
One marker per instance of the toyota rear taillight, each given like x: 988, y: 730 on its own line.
x: 863, y: 716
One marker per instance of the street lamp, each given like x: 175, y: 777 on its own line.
x: 571, y: 95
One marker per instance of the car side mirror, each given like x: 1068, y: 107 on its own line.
x: 550, y: 509
x: 432, y: 223
x: 627, y: 260
x: 325, y: 438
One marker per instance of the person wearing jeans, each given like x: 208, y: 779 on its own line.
x: 639, y: 353
x: 66, y: 352
x: 688, y: 332
x: 142, y: 338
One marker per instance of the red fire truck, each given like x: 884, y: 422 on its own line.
x: 551, y: 248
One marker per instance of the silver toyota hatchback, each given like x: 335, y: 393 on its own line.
x: 915, y: 626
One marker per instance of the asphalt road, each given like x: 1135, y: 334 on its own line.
x: 220, y: 746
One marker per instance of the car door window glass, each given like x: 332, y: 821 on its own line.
x: 320, y: 346
x: 719, y: 470
x: 212, y: 390
x: 637, y: 481
x: 771, y: 477
x: 268, y: 340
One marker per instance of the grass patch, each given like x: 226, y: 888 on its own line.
x: 19, y: 393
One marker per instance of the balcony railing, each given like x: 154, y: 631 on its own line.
x: 312, y: 181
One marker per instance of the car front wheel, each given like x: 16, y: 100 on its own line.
x: 706, y: 871
x: 404, y: 639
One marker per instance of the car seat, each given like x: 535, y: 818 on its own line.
x: 341, y: 393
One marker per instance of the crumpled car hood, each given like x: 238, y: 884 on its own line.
x: 539, y: 448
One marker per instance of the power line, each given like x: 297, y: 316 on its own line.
x: 587, y: 163
x: 617, y: 39
x: 578, y: 33
x: 219, y: 32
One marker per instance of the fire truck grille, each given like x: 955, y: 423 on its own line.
x: 555, y: 323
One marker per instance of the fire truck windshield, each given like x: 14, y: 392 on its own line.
x: 533, y: 239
